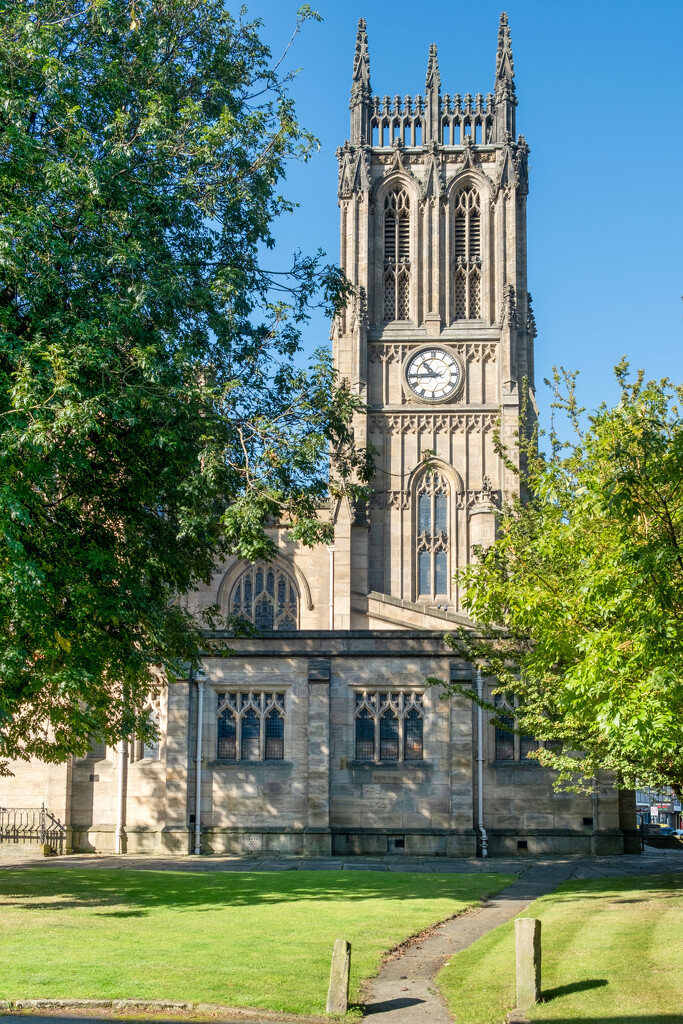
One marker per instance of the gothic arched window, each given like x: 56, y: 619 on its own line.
x: 389, y: 726
x: 250, y: 727
x: 467, y: 254
x: 432, y: 537
x: 267, y: 596
x: 397, y: 256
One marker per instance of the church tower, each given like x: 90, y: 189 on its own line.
x: 326, y: 731
x: 439, y: 336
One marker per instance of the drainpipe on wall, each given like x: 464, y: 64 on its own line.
x: 200, y: 676
x: 120, y: 808
x: 480, y: 767
x: 331, y: 551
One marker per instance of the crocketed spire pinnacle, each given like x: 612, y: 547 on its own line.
x: 505, y: 67
x: 433, y: 76
x: 361, y: 60
x: 361, y: 95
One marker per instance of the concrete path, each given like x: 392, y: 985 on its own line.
x: 589, y: 866
x: 404, y: 991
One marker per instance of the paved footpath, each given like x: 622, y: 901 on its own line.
x: 403, y: 992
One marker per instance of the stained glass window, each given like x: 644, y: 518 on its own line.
x: 266, y: 596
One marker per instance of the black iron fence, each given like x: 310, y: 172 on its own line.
x: 31, y: 825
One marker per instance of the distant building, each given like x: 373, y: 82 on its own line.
x: 322, y: 736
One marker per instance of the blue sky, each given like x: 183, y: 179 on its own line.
x: 599, y: 87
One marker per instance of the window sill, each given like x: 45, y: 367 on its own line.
x: 272, y: 763
x: 391, y: 765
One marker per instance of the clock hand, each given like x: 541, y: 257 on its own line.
x: 436, y: 372
x: 421, y: 376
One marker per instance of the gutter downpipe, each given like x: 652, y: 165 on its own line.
x: 480, y: 767
x: 199, y: 677
x: 331, y: 551
x: 120, y: 803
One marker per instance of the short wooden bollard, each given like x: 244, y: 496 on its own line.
x: 528, y: 957
x: 338, y: 992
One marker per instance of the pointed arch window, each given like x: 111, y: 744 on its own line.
x: 250, y: 726
x: 508, y: 744
x: 467, y: 244
x: 432, y: 548
x: 266, y: 596
x: 389, y: 726
x: 397, y: 256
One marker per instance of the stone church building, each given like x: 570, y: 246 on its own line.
x: 321, y: 736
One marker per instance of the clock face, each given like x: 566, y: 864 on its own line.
x: 433, y: 374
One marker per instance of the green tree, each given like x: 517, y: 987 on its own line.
x: 153, y: 415
x: 579, y: 602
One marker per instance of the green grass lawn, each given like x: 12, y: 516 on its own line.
x: 612, y: 950
x: 250, y: 939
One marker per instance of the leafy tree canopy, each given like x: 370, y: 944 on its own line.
x: 153, y: 415
x: 580, y: 600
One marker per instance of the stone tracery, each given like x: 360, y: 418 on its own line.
x: 267, y: 596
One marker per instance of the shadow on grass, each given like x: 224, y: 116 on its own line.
x: 615, y: 890
x: 574, y: 986
x: 137, y: 893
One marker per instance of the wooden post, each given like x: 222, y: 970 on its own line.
x: 338, y: 992
x: 528, y: 956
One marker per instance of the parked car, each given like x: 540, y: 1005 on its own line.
x: 655, y: 831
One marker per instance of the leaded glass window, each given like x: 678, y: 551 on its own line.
x: 388, y: 737
x: 251, y: 725
x: 412, y: 730
x: 389, y: 726
x: 275, y: 735
x: 397, y: 256
x: 467, y: 245
x: 432, y: 546
x: 227, y: 736
x: 509, y: 745
x: 251, y: 736
x: 267, y: 596
x: 365, y: 736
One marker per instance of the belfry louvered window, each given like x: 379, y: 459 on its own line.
x: 432, y: 538
x: 397, y: 256
x: 389, y: 726
x: 467, y: 255
x: 266, y: 596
